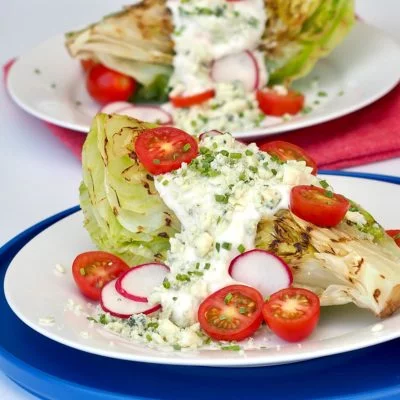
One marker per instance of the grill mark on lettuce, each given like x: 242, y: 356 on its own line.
x: 376, y: 294
x: 116, y: 195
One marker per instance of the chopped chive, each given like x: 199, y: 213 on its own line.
x: 226, y: 245
x: 197, y: 265
x: 353, y: 208
x: 153, y: 325
x: 221, y: 198
x: 324, y: 184
x: 242, y: 176
x: 187, y: 147
x: 253, y: 169
x: 248, y: 152
x: 274, y: 171
x: 165, y: 183
x: 177, y: 347
x: 341, y: 93
x: 207, y: 266
x: 82, y: 271
x: 217, y: 246
x: 235, y: 156
x: 306, y: 110
x: 224, y: 153
x: 183, y: 278
x: 322, y: 94
x: 228, y: 298
x: 156, y: 161
x: 328, y: 193
x: 103, y: 319
x: 276, y: 159
x: 166, y: 283
x: 91, y: 319
x: 241, y: 248
x: 174, y: 298
x: 219, y: 219
x: 265, y: 165
x: 149, y: 338
x: 215, y: 145
x: 233, y: 347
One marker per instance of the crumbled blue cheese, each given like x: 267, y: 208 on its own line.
x: 356, y: 217
x: 232, y: 108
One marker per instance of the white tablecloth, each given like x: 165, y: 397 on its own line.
x: 39, y: 175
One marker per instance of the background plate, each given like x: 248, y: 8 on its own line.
x: 56, y: 372
x: 341, y: 329
x: 50, y: 85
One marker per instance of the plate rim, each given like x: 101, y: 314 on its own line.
x: 244, y: 362
x: 248, y: 134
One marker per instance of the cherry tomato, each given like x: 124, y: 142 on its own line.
x: 273, y: 103
x: 164, y: 149
x: 288, y: 151
x: 93, y: 269
x: 231, y: 313
x: 292, y: 314
x: 318, y: 206
x: 106, y: 85
x: 395, y: 234
x: 87, y: 64
x: 188, y: 101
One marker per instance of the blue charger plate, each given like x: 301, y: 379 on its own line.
x: 53, y: 371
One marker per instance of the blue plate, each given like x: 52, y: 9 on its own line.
x: 53, y: 371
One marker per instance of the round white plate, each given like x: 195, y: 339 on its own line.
x: 49, y: 84
x: 34, y: 290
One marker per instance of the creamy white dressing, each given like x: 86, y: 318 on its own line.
x: 205, y: 31
x: 219, y: 200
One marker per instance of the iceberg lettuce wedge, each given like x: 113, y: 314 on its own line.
x: 123, y: 212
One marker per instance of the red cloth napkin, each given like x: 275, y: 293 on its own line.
x: 368, y: 135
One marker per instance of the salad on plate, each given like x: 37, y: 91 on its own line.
x: 212, y: 243
x: 208, y: 64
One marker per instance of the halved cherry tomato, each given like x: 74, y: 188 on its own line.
x: 395, y: 234
x: 87, y: 64
x: 93, y: 269
x: 188, y: 101
x: 164, y: 149
x: 273, y: 103
x: 292, y: 313
x: 231, y: 313
x: 106, y: 85
x: 288, y: 151
x: 318, y: 206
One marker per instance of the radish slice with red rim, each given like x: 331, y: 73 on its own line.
x: 261, y: 270
x: 114, y: 107
x: 138, y: 283
x: 242, y: 67
x: 152, y: 114
x: 119, y: 306
x: 213, y: 132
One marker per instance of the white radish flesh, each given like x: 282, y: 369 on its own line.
x: 139, y: 282
x: 114, y: 107
x: 119, y: 306
x: 261, y: 270
x: 211, y: 133
x: 242, y: 67
x: 152, y: 114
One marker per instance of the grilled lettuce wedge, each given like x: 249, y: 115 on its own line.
x: 356, y: 261
x: 123, y: 212
x: 137, y: 41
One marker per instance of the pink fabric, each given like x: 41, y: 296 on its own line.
x: 365, y: 136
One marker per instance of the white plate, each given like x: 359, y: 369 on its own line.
x: 34, y: 290
x: 364, y: 68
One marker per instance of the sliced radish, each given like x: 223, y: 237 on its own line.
x: 213, y: 132
x: 114, y: 107
x: 138, y: 283
x: 241, y: 67
x: 119, y: 306
x: 152, y: 114
x: 261, y: 270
